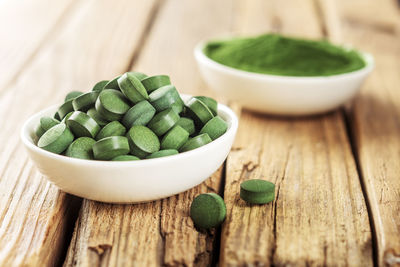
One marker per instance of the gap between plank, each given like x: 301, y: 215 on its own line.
x: 47, y: 36
x: 348, y: 121
x: 348, y: 118
x: 74, y: 206
x: 215, y: 253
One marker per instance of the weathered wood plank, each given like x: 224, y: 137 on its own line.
x: 374, y: 26
x: 161, y: 232
x: 34, y: 215
x: 25, y: 26
x: 319, y: 216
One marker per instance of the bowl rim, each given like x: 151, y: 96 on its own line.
x: 202, y: 57
x: 25, y: 135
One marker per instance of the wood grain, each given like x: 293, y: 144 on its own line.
x: 161, y: 232
x: 375, y: 118
x: 319, y: 216
x: 26, y: 25
x: 34, y: 215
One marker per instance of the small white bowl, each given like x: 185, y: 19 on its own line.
x: 281, y: 95
x: 130, y: 181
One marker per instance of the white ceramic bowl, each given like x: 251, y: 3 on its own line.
x: 281, y: 95
x: 130, y: 181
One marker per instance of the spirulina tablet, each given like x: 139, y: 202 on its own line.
x: 112, y: 84
x: 139, y: 75
x: 110, y: 147
x: 39, y: 131
x: 198, y: 111
x: 67, y: 116
x: 56, y: 139
x: 211, y: 103
x: 65, y: 108
x: 257, y: 191
x: 96, y: 116
x: 187, y: 124
x: 98, y: 87
x: 82, y: 124
x: 112, y: 104
x: 81, y: 148
x: 72, y: 95
x: 142, y: 141
x: 132, y: 88
x: 48, y: 122
x: 45, y: 124
x: 215, y: 127
x: 162, y: 153
x: 208, y: 211
x: 196, y: 142
x: 154, y: 82
x: 114, y: 128
x: 139, y: 114
x: 174, y: 138
x: 163, y: 121
x: 85, y: 101
x: 166, y: 97
x: 125, y: 158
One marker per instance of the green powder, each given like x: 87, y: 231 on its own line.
x: 278, y: 55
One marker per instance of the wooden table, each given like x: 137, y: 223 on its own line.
x: 337, y: 175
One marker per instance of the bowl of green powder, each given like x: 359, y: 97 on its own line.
x: 281, y: 75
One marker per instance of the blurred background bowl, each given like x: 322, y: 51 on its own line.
x: 281, y: 95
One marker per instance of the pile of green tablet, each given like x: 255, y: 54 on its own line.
x: 131, y: 117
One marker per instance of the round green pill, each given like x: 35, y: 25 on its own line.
x: 198, y: 111
x: 139, y: 114
x: 48, y: 122
x: 142, y: 141
x: 82, y: 124
x: 45, y: 124
x: 139, y: 75
x: 56, y: 139
x: 215, y: 127
x: 64, y: 109
x: 114, y: 128
x: 163, y: 121
x: 67, y: 116
x: 39, y: 131
x: 96, y: 116
x: 112, y: 104
x: 208, y: 211
x: 85, y: 101
x: 211, y: 103
x: 154, y: 82
x: 110, y: 147
x: 257, y: 191
x: 125, y: 158
x: 187, y: 124
x: 98, y: 87
x: 132, y: 88
x: 166, y: 97
x: 72, y: 95
x: 162, y: 153
x: 196, y: 142
x: 81, y: 148
x: 174, y: 138
x: 112, y: 84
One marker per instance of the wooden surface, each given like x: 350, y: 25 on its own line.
x: 337, y: 175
